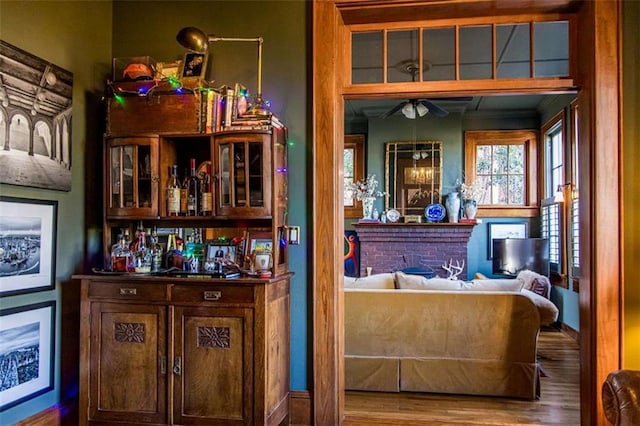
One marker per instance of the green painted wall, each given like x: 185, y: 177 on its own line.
x: 77, y: 38
x: 150, y: 28
x: 630, y: 184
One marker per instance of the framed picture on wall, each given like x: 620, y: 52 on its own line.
x: 504, y: 230
x: 37, y: 120
x: 194, y: 66
x: 27, y: 337
x: 27, y: 245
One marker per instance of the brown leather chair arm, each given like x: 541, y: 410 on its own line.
x: 621, y: 397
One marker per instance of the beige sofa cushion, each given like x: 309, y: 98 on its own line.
x: 376, y: 281
x: 417, y: 282
x: 493, y: 285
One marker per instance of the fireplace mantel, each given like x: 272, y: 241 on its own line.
x: 387, y: 247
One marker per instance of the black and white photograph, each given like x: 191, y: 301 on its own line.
x: 194, y: 65
x: 26, y: 352
x: 27, y: 245
x: 35, y: 121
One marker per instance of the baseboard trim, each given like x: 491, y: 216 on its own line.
x: 300, y: 408
x: 48, y: 417
x: 575, y: 335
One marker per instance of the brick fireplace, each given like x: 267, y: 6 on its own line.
x: 390, y: 247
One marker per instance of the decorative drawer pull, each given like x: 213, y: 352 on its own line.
x: 128, y: 291
x: 212, y: 295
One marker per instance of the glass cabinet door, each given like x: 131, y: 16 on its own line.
x: 132, y: 177
x: 243, y: 175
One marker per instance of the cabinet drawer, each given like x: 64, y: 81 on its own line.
x: 128, y: 291
x: 212, y: 293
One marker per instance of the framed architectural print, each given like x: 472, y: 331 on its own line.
x: 505, y: 230
x: 37, y: 100
x: 27, y: 245
x: 27, y: 337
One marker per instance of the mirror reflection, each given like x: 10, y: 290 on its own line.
x: 413, y: 175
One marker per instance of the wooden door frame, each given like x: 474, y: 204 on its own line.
x: 600, y: 132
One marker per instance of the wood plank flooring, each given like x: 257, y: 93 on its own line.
x: 559, y: 402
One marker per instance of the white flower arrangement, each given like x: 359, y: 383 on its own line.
x: 473, y: 191
x: 366, y: 188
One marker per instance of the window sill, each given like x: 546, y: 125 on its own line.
x: 508, y: 211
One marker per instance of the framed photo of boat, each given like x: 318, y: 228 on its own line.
x: 27, y: 245
x: 27, y: 338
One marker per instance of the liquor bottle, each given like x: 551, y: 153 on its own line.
x: 173, y: 193
x: 135, y: 242
x: 193, y: 252
x: 183, y: 195
x: 206, y: 193
x: 173, y: 256
x: 155, y: 250
x: 141, y: 254
x: 193, y: 191
x: 120, y: 255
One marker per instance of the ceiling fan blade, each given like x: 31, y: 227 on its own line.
x: 393, y: 110
x: 434, y: 109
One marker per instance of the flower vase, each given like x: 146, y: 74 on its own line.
x: 367, y: 207
x: 470, y: 209
x: 452, y: 205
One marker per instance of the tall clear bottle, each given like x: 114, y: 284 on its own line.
x: 193, y: 191
x: 155, y: 250
x: 173, y: 193
x: 206, y: 192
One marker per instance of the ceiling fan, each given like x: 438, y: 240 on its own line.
x: 419, y: 107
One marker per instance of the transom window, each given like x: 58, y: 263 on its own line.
x: 474, y: 51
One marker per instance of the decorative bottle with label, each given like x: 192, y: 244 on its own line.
x: 183, y: 195
x: 174, y: 252
x: 141, y: 254
x: 173, y: 193
x: 155, y: 250
x: 206, y: 192
x: 120, y: 255
x: 193, y: 191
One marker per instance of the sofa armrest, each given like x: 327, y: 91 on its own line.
x: 547, y: 310
x: 621, y: 397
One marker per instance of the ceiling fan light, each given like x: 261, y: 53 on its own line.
x: 409, y: 111
x: 421, y: 109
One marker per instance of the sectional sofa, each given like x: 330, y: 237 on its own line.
x: 408, y: 333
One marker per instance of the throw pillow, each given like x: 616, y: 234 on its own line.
x: 375, y: 281
x: 499, y: 284
x: 541, y: 286
x: 535, y: 282
x: 417, y: 282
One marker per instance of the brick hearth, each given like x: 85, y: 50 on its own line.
x: 391, y: 247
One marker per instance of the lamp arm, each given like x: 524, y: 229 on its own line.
x: 259, y: 40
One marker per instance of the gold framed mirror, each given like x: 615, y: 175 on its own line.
x: 413, y: 176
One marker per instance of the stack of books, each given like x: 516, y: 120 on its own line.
x: 237, y: 115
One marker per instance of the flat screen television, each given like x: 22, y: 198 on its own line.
x: 512, y: 255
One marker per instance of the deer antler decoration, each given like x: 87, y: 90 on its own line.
x: 453, y: 270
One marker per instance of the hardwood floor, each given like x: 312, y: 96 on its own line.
x: 559, y: 402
